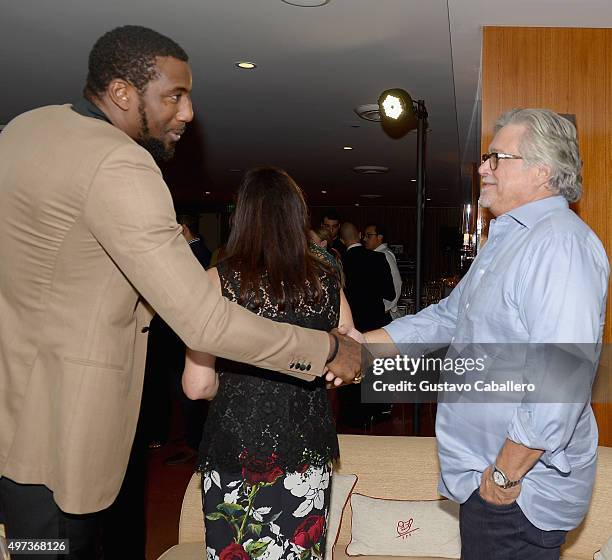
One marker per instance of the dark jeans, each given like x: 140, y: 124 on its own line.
x: 31, y: 513
x: 491, y: 532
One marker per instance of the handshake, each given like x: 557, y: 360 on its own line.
x: 344, y: 360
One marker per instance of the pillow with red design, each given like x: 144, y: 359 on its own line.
x: 404, y: 528
x: 341, y: 487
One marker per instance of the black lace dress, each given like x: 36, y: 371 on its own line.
x: 258, y: 412
x: 268, y: 443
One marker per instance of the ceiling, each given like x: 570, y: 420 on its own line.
x: 295, y: 110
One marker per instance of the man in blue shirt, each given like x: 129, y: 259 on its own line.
x: 523, y: 472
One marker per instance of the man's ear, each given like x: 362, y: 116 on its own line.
x: 544, y: 174
x: 121, y: 93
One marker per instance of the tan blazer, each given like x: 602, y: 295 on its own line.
x: 87, y: 236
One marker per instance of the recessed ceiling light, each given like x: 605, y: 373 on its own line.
x: 429, y: 199
x: 323, y: 192
x: 369, y: 112
x: 306, y: 3
x: 207, y: 192
x: 347, y: 147
x: 370, y: 169
x: 356, y: 203
x: 246, y: 65
x: 413, y: 180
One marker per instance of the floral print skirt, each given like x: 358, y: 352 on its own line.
x: 268, y: 514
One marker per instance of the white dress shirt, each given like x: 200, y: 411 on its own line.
x: 391, y: 306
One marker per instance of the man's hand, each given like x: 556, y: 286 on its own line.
x: 346, y: 365
x: 490, y: 492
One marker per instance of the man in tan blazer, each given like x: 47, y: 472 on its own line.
x: 89, y: 247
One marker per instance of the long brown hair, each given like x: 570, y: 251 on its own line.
x: 270, y: 236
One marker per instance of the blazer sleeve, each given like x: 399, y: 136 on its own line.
x: 129, y: 210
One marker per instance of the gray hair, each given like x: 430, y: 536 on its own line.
x: 550, y: 139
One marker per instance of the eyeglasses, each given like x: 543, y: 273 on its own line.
x: 494, y: 157
x: 369, y: 234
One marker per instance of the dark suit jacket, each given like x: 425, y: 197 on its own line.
x: 368, y: 281
x: 200, y: 251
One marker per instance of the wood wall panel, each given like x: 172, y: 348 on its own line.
x: 568, y: 70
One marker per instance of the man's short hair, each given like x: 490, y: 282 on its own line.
x: 349, y: 232
x: 379, y: 228
x: 128, y: 53
x: 331, y: 214
x: 549, y: 139
x: 190, y: 222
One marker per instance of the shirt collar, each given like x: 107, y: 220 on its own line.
x: 353, y: 245
x: 531, y: 213
x: 86, y: 108
x: 381, y: 247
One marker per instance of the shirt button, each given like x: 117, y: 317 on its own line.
x: 481, y: 271
x: 467, y: 305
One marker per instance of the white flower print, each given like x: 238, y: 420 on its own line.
x: 232, y: 497
x: 209, y: 478
x: 275, y: 529
x: 310, y: 486
x: 259, y: 512
x: 273, y: 550
x: 211, y: 554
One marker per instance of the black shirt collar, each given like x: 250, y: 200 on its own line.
x: 86, y: 108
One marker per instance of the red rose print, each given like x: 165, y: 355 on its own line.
x: 309, y: 531
x: 234, y: 551
x: 256, y: 470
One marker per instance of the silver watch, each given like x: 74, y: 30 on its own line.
x: 500, y: 479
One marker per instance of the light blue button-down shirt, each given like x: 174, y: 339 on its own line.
x: 541, y: 277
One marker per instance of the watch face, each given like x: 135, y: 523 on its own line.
x: 498, y: 478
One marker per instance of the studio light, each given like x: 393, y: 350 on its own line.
x: 394, y: 103
x: 397, y: 112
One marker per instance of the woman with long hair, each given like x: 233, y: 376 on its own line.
x: 269, y: 440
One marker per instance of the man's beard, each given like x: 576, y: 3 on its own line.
x: 154, y: 146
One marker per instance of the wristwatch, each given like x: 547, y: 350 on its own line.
x: 500, y: 479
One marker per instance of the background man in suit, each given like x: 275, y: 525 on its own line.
x: 375, y: 239
x: 368, y: 283
x: 89, y: 246
x: 196, y: 244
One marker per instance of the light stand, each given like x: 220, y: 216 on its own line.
x: 399, y: 114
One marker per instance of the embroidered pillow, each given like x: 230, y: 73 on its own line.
x: 404, y: 528
x: 606, y: 551
x: 341, y: 488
